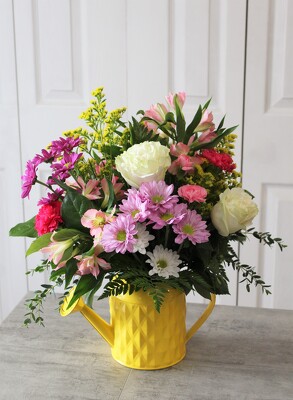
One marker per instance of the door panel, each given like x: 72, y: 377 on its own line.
x: 268, y: 142
x: 13, y: 285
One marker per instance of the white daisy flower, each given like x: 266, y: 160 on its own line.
x: 164, y: 262
x: 143, y: 238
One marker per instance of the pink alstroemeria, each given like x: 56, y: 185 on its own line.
x: 28, y: 178
x: 117, y: 186
x: 206, y: 122
x: 56, y: 250
x: 157, y: 112
x: 90, y: 189
x: 191, y: 227
x: 181, y: 96
x: 119, y: 235
x: 178, y: 149
x: 95, y: 220
x: 91, y: 264
x: 185, y: 163
x: 207, y: 136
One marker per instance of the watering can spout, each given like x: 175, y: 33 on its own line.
x: 104, y: 329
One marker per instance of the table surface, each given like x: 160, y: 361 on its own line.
x: 239, y: 353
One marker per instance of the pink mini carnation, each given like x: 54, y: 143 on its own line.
x: 193, y: 193
x: 48, y: 218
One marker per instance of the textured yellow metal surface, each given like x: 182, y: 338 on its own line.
x: 139, y: 336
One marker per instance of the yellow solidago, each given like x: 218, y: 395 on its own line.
x: 98, y: 92
x: 227, y: 144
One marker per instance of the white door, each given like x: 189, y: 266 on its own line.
x: 13, y: 284
x: 138, y: 50
x: 268, y: 143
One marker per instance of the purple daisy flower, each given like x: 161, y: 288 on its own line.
x: 119, y: 235
x: 46, y: 156
x: 60, y: 169
x: 134, y: 206
x: 158, y: 196
x: 64, y: 145
x: 28, y: 178
x: 171, y: 216
x: 51, y: 197
x: 191, y: 227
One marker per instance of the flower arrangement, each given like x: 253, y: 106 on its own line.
x: 148, y: 205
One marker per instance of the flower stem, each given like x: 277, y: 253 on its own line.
x: 44, y: 184
x: 167, y: 235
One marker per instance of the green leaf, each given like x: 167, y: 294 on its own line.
x: 207, y: 104
x: 90, y: 297
x: 192, y: 126
x: 202, y: 292
x: 214, y: 142
x: 57, y: 272
x: 39, y: 243
x: 70, y: 270
x: 85, y: 284
x: 65, y: 234
x: 73, y: 207
x: 25, y: 229
x: 180, y: 121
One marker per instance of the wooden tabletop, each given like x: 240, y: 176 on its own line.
x: 239, y: 353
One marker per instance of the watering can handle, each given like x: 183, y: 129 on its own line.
x: 204, y: 316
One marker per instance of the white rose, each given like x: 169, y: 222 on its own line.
x: 143, y: 162
x: 233, y: 212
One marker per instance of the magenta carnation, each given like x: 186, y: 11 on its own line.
x: 48, y: 218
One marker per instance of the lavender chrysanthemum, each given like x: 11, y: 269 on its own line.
x: 191, y: 227
x: 158, y: 196
x: 134, y: 206
x: 172, y: 216
x: 119, y: 235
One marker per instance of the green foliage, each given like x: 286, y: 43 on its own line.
x: 24, y: 229
x: 266, y: 238
x: 73, y: 207
x: 39, y: 243
x: 35, y: 304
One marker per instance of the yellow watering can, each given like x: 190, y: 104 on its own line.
x: 139, y: 336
